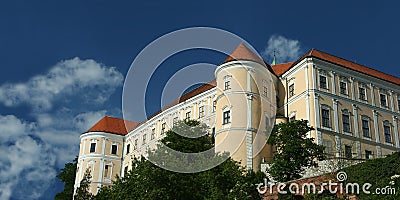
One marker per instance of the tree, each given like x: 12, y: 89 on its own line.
x: 295, y: 151
x: 67, y: 176
x: 228, y: 180
x: 82, y: 192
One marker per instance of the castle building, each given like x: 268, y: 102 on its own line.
x: 354, y: 109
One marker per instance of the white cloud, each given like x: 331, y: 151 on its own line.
x: 84, y: 121
x: 34, y: 150
x: 66, y: 78
x: 287, y: 50
x: 11, y: 127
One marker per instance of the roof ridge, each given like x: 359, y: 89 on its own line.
x: 362, y: 65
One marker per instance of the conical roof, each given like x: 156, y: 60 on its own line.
x: 113, y: 125
x: 242, y: 52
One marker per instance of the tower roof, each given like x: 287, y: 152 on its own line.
x: 242, y: 52
x: 113, y: 125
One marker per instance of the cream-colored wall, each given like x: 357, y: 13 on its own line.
x: 99, y: 158
x: 302, y: 104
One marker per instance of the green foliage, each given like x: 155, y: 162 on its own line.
x: 82, y: 192
x: 147, y: 181
x: 377, y: 172
x: 67, y: 176
x: 295, y: 151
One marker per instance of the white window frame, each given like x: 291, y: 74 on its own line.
x: 386, y: 124
x: 328, y: 108
x: 368, y: 119
x: 116, y: 144
x: 362, y: 85
x: 93, y: 141
x: 343, y: 80
x: 201, y: 111
x: 346, y: 112
x: 227, y: 82
x: 386, y: 99
x: 325, y: 76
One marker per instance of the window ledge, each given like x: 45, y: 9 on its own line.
x: 347, y: 133
x: 367, y: 138
x: 388, y: 143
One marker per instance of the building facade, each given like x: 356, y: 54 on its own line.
x: 354, y: 109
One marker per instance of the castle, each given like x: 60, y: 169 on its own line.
x: 354, y: 109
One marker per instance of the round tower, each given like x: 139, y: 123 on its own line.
x: 245, y: 107
x: 101, y: 151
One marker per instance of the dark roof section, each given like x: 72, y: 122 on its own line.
x: 113, y: 125
x: 313, y: 53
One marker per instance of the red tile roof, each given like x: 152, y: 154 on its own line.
x: 113, y: 125
x: 242, y: 52
x: 279, y: 69
x: 188, y: 95
x: 122, y: 127
x: 282, y: 68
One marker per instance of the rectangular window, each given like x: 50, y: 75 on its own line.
x: 322, y: 82
x: 153, y: 134
x: 226, y: 117
x: 114, y: 149
x: 214, y: 106
x: 187, y: 115
x: 398, y: 102
x: 265, y: 90
x: 386, y: 131
x: 291, y: 90
x: 368, y: 154
x: 346, y: 122
x: 343, y: 87
x: 365, y: 128
x: 135, y: 145
x: 362, y: 94
x: 128, y: 148
x: 92, y: 147
x: 326, y: 118
x: 227, y: 85
x: 174, y: 121
x: 382, y: 97
x: 201, y: 111
x: 328, y: 147
x: 144, y: 138
x: 163, y: 127
x: 348, y: 151
x: 106, y: 171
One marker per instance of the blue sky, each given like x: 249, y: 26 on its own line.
x: 63, y: 63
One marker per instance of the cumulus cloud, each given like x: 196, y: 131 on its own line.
x: 85, y: 120
x: 66, y: 78
x: 286, y: 50
x: 35, y: 149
